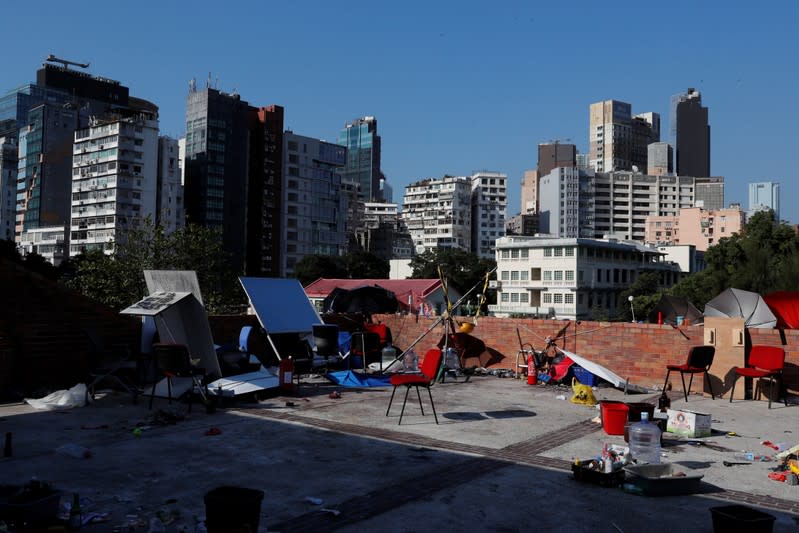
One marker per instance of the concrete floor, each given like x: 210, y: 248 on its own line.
x: 498, y: 461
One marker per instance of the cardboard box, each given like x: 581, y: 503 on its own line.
x: 688, y: 423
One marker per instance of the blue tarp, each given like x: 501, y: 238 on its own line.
x: 348, y: 378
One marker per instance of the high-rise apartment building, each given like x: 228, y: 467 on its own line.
x: 314, y: 209
x: 555, y: 154
x: 438, y: 213
x: 529, y: 196
x: 591, y: 204
x: 617, y: 139
x: 363, y: 158
x: 114, y: 181
x: 659, y: 157
x: 489, y: 209
x: 169, y: 200
x: 689, y: 133
x: 232, y: 175
x: 709, y: 193
x: 8, y: 186
x: 764, y: 195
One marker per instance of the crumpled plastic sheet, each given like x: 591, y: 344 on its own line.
x: 61, y: 399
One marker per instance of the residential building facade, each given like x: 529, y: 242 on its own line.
x: 314, y: 210
x: 659, y: 156
x: 571, y: 278
x: 8, y: 186
x: 617, y: 139
x: 114, y: 181
x: 489, y: 208
x: 438, y: 213
x: 694, y: 226
x: 170, y: 214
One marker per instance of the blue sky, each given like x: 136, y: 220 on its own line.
x: 456, y: 86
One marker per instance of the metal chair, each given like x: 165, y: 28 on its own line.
x: 699, y: 360
x: 429, y: 371
x: 764, y: 362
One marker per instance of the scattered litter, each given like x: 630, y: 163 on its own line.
x: 137, y: 432
x: 334, y: 512
x: 561, y: 396
x: 101, y: 426
x: 212, y: 432
x: 74, y: 450
x: 315, y: 501
x: 779, y: 446
x: 335, y: 395
x: 290, y: 404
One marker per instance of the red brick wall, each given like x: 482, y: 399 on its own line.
x: 639, y: 352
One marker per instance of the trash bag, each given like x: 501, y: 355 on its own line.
x: 62, y: 399
x: 582, y: 394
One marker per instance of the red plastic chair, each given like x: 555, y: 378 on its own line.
x: 764, y: 362
x: 429, y: 370
x: 699, y: 360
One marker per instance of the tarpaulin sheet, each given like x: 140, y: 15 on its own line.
x: 348, y: 378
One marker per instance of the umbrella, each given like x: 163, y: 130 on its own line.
x: 670, y: 307
x: 785, y: 305
x: 736, y: 303
x: 367, y: 299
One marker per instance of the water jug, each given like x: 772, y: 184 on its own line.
x: 645, y: 441
x: 388, y: 354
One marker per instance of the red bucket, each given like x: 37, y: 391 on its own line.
x: 614, y: 416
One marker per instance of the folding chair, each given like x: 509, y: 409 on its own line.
x: 764, y: 362
x: 429, y: 370
x: 699, y: 360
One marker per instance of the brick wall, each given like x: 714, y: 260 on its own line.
x: 639, y: 352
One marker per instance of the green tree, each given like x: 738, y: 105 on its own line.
x: 118, y: 280
x: 646, y: 294
x: 312, y: 267
x: 364, y: 265
x: 462, y: 270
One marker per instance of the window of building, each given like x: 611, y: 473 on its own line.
x: 505, y: 297
x: 514, y: 275
x: 558, y: 251
x: 547, y: 298
x: 505, y: 254
x: 558, y: 275
x: 568, y: 298
x: 524, y: 275
x: 525, y: 253
x: 514, y: 254
x: 524, y: 297
x: 570, y: 251
x: 505, y: 275
x: 558, y: 298
x: 570, y: 275
x: 547, y: 275
x: 547, y: 251
x: 514, y: 297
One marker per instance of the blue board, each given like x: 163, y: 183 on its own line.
x: 281, y: 305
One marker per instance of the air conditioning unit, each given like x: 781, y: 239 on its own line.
x: 494, y: 284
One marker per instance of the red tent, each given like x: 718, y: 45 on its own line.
x: 785, y: 306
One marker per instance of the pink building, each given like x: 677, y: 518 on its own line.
x: 695, y: 226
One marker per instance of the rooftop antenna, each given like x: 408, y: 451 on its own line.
x: 193, y: 85
x: 64, y: 62
x: 208, y: 81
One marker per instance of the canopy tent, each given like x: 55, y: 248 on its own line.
x: 737, y: 303
x: 785, y: 306
x: 670, y: 307
x: 367, y: 299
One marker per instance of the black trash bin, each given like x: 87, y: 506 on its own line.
x: 232, y: 509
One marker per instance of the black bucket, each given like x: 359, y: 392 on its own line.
x: 232, y: 509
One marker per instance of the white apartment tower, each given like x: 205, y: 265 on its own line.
x: 169, y: 200
x: 438, y: 213
x: 114, y: 181
x: 489, y: 207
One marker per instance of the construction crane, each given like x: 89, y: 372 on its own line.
x: 53, y: 59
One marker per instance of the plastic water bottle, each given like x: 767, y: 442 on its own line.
x: 645, y: 441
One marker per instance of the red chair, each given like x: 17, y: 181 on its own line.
x: 699, y: 360
x: 429, y: 370
x: 764, y: 362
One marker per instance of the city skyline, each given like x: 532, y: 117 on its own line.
x: 454, y: 91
